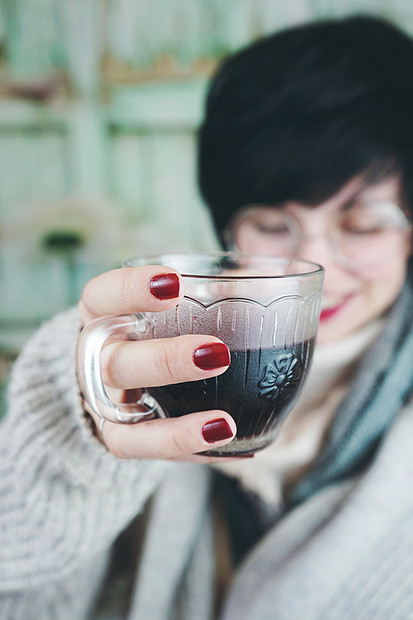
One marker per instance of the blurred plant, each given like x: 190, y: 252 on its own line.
x: 64, y: 241
x: 75, y: 231
x: 85, y: 236
x: 73, y: 223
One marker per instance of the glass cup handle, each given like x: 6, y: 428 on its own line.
x: 91, y: 340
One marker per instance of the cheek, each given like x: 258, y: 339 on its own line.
x: 380, y: 288
x: 391, y: 272
x: 371, y: 294
x: 248, y: 238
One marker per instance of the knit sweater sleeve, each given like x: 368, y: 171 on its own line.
x: 63, y: 497
x: 346, y: 552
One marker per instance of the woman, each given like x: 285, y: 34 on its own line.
x: 305, y: 149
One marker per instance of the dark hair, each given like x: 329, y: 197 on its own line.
x: 297, y: 114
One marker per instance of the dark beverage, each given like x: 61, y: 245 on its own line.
x: 258, y: 390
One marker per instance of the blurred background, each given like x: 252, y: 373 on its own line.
x: 100, y: 101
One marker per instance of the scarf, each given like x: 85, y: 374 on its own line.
x: 381, y: 387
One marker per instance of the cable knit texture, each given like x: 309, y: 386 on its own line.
x: 345, y: 553
x: 343, y: 549
x: 64, y: 498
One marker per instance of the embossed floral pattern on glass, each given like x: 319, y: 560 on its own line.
x: 281, y: 376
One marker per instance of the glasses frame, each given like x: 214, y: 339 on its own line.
x: 402, y: 223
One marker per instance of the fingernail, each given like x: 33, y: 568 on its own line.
x: 165, y: 286
x: 211, y: 356
x: 215, y: 430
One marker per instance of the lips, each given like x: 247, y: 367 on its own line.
x: 332, y: 306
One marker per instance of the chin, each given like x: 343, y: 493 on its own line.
x: 342, y: 320
x: 334, y: 330
x: 324, y: 337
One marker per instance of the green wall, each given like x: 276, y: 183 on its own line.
x: 100, y: 101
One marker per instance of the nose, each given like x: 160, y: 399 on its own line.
x: 315, y: 247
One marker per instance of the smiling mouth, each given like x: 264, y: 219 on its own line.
x: 332, y: 306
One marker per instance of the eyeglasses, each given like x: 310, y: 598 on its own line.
x: 360, y: 235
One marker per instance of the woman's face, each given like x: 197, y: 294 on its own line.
x: 355, y: 291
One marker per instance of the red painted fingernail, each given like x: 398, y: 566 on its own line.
x: 211, y: 356
x: 215, y: 430
x: 165, y: 286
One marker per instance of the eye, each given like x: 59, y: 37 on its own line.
x: 272, y: 229
x: 365, y: 220
x: 360, y: 228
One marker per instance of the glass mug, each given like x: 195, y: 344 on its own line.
x: 264, y: 308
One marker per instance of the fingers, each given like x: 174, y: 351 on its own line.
x: 130, y: 365
x: 151, y: 363
x: 171, y: 438
x: 131, y: 290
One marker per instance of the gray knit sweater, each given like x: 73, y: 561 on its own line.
x: 345, y: 552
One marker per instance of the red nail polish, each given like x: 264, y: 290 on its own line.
x: 165, y: 286
x: 215, y: 430
x: 211, y: 356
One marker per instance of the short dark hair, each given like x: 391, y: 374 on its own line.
x: 297, y: 114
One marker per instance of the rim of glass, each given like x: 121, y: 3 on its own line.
x: 144, y: 259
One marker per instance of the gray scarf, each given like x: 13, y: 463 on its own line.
x: 374, y: 400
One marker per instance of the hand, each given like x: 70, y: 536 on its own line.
x: 128, y: 366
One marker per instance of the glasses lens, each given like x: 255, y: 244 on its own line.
x: 361, y: 235
x: 265, y: 230
x: 366, y: 233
